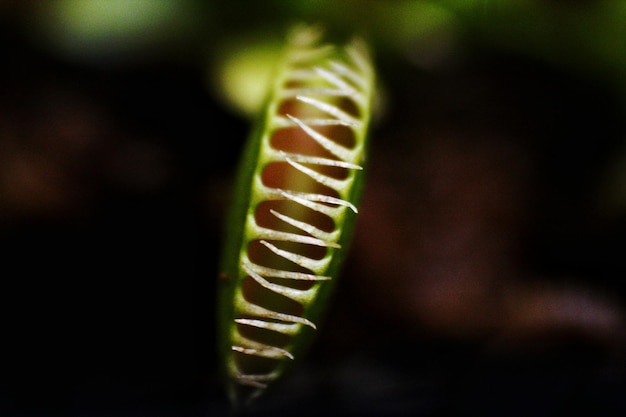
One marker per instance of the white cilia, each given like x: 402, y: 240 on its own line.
x: 294, y: 208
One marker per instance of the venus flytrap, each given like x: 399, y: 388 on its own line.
x: 294, y: 208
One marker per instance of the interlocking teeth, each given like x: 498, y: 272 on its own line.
x: 262, y: 350
x: 317, y: 85
x: 331, y: 109
x: 300, y: 296
x: 250, y: 309
x: 331, y: 146
x: 319, y: 234
x: 305, y: 159
x: 313, y: 201
x: 279, y: 273
x: 285, y: 328
x: 335, y: 79
x: 281, y: 122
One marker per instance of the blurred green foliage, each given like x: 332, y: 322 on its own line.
x: 235, y: 42
x: 588, y: 33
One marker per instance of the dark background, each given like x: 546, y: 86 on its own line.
x: 486, y: 276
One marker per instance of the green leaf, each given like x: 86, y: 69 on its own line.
x: 294, y: 208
